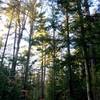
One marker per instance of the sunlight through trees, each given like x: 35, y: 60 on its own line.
x: 49, y: 50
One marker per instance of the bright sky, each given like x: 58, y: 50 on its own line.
x: 94, y: 8
x: 3, y: 21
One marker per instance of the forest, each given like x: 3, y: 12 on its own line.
x: 49, y: 49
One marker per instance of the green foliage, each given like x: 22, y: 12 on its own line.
x: 8, y: 90
x: 65, y: 42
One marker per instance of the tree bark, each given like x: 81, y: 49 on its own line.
x: 15, y: 56
x: 85, y: 54
x: 69, y: 57
x: 5, y: 45
x: 28, y: 55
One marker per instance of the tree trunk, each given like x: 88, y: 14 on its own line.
x: 85, y: 54
x: 92, y: 58
x: 28, y: 54
x: 18, y: 46
x: 69, y: 57
x: 5, y: 45
x: 42, y: 74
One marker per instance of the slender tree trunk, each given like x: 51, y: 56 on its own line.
x: 38, y: 85
x: 15, y: 38
x: 42, y: 74
x: 28, y: 54
x: 18, y: 46
x: 5, y: 45
x: 14, y: 47
x: 54, y: 64
x: 93, y: 65
x: 43, y: 61
x: 69, y: 57
x: 54, y: 52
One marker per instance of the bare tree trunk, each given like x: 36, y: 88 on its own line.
x: 42, y: 74
x: 15, y: 56
x: 93, y: 65
x: 54, y: 64
x: 28, y: 54
x: 5, y: 45
x: 15, y: 38
x: 14, y: 47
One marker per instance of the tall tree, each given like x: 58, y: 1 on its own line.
x: 85, y: 54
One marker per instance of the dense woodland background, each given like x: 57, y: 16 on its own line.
x: 49, y: 50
